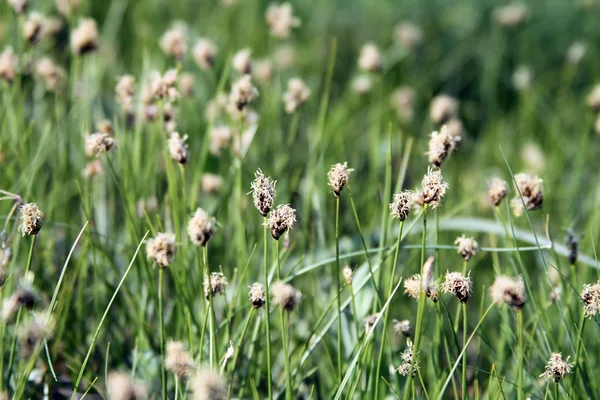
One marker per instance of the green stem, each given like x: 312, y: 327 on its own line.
x: 336, y: 276
x: 267, y: 310
x: 212, y: 338
x: 285, y: 339
x: 578, y: 352
x: 465, y: 390
x: 163, y: 376
x: 386, y: 314
x: 239, y: 348
x: 521, y: 355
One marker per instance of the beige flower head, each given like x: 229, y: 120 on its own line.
x: 243, y: 92
x: 263, y: 193
x: 178, y: 360
x: 19, y: 5
x: 347, y: 272
x: 242, y: 61
x: 177, y: 148
x: 459, y: 285
x: 8, y: 65
x: 402, y: 205
x: 441, y: 146
x: 263, y: 70
x: 218, y: 284
x: 297, y: 93
x: 370, y: 322
x: 50, y: 73
x: 281, y: 19
x: 120, y: 386
x: 98, y: 143
x: 32, y: 219
x: 434, y: 187
x: 497, y: 189
x: 576, y: 52
x: 285, y: 296
x: 84, y: 39
x: 186, y: 84
x: 93, y: 168
x: 403, y: 328
x: 205, y: 52
x: 32, y: 333
x: 162, y: 249
x: 408, y: 34
x: 362, y: 84
x: 557, y: 368
x: 413, y: 286
x: 370, y: 59
x: 455, y: 128
x: 338, y: 177
x: 591, y: 299
x: 32, y: 27
x: 530, y: 187
x: 522, y: 78
x: 443, y: 108
x: 281, y: 220
x: 467, y: 247
x: 125, y: 91
x: 163, y: 86
x: 410, y: 364
x: 174, y: 41
x: 201, y: 227
x: 511, y: 15
x: 208, y: 385
x: 220, y: 137
x: 211, y: 183
x: 508, y: 290
x: 23, y: 297
x: 402, y: 101
x: 257, y: 295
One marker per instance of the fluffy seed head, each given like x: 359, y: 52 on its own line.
x: 19, y: 5
x: 162, y: 86
x: 285, y: 56
x: 67, y: 7
x: 211, y: 183
x: 257, y: 295
x: 201, y: 227
x: 456, y: 128
x: 263, y: 193
x: 591, y: 299
x: 281, y: 220
x: 441, y: 146
x: 32, y: 27
x: 362, y: 84
x: 443, y: 108
x: 530, y: 187
x: 410, y: 364
x: 208, y: 385
x: 205, y: 52
x: 174, y: 41
x: 402, y: 205
x: 459, y: 285
x: 347, y: 272
x: 297, y: 93
x: 93, y: 168
x: 408, y: 34
x: 243, y: 92
x: 557, y: 368
x: 511, y: 15
x: 179, y: 360
x: 52, y: 74
x: 576, y: 52
x: 508, y: 290
x: 162, y: 249
x: 370, y: 59
x: 338, y: 177
x: 98, y: 143
x: 218, y: 284
x: 434, y: 187
x: 125, y: 90
x: 242, y: 61
x: 32, y: 219
x: 414, y: 285
x: 177, y: 148
x: 467, y: 247
x: 220, y: 136
x: 8, y: 65
x: 24, y: 296
x: 281, y: 20
x: 120, y: 386
x: 402, y: 328
x: 285, y: 296
x: 263, y: 70
x: 402, y: 101
x: 31, y: 334
x: 370, y: 322
x: 84, y: 39
x: 522, y: 78
x: 186, y: 84
x: 497, y: 189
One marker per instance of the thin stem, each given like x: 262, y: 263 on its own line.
x: 267, y: 310
x: 239, y: 349
x: 465, y: 390
x: 285, y: 339
x: 521, y: 355
x: 336, y: 276
x: 163, y: 376
x: 579, y: 342
x: 212, y: 339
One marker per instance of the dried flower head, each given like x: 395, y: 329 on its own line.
x: 443, y: 108
x: 23, y: 297
x: 347, y: 272
x: 467, y: 247
x: 530, y: 187
x: 120, y: 386
x: 208, y: 385
x: 84, y: 39
x: 370, y: 59
x: 162, y: 249
x: 177, y: 148
x: 338, y: 177
x: 557, y: 368
x: 218, y: 284
x: 281, y: 19
x: 98, y: 143
x: 533, y: 157
x: 434, y: 187
x: 242, y: 61
x: 32, y: 27
x: 205, y: 52
x: 413, y: 286
x: 263, y: 193
x: 591, y: 299
x: 31, y: 334
x: 19, y: 5
x: 297, y: 93
x: 125, y: 90
x: 362, y: 84
x: 32, y: 219
x: 281, y: 220
x: 52, y: 74
x: 186, y: 84
x: 178, y: 360
x: 576, y: 52
x: 211, y: 183
x: 459, y: 285
x: 455, y: 128
x: 67, y: 7
x: 403, y: 328
x: 572, y: 247
x: 408, y: 34
x: 243, y: 92
x: 402, y: 101
x: 370, y: 321
x: 441, y: 146
x: 508, y: 290
x: 427, y: 283
x: 510, y: 15
x: 522, y: 78
x: 257, y: 295
x: 220, y: 136
x: 402, y: 204
x: 8, y: 65
x: 201, y: 227
x: 93, y: 168
x: 593, y: 98
x: 497, y: 189
x: 174, y: 41
x: 410, y: 364
x: 163, y: 86
x: 285, y: 296
x: 263, y: 70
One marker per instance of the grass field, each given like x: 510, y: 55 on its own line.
x: 210, y: 199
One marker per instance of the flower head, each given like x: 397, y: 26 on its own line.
x: 281, y: 220
x: 218, y: 284
x: 497, y: 189
x: 205, y: 52
x: 242, y: 61
x: 263, y: 193
x: 370, y: 59
x: 32, y: 219
x: 530, y: 187
x: 467, y: 247
x: 178, y: 148
x: 179, y: 360
x: 508, y: 290
x: 243, y: 92
x: 443, y: 108
x: 410, y: 364
x: 434, y: 187
x: 211, y: 183
x: 297, y: 93
x: 347, y: 272
x: 441, y: 146
x: 591, y: 299
x: 510, y: 15
x: 23, y: 297
x: 174, y: 41
x: 84, y: 39
x: 459, y: 285
x: 32, y: 27
x: 403, y: 328
x: 98, y: 143
x: 557, y: 368
x: 208, y: 385
x: 19, y: 5
x: 338, y: 177
x: 32, y: 333
x: 257, y: 295
x: 281, y: 20
x: 201, y: 227
x: 285, y: 296
x: 8, y: 65
x: 120, y: 386
x: 414, y: 285
x: 402, y: 101
x: 125, y: 90
x: 402, y: 205
x: 370, y: 321
x: 162, y: 249
x: 408, y: 34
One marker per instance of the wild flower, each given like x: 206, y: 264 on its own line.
x: 8, y: 65
x: 297, y: 93
x: 590, y: 295
x: 177, y: 148
x: 441, y: 145
x: 257, y: 295
x: 557, y: 368
x: 23, y: 297
x: 98, y: 143
x: 263, y: 70
x: 285, y: 296
x: 120, y: 386
x: 263, y: 193
x: 281, y: 19
x: 174, y: 41
x: 211, y: 183
x: 443, y: 108
x: 84, y: 39
x: 32, y: 219
x: 403, y: 328
x: 467, y: 247
x: 459, y: 285
x: 162, y: 249
x: 242, y: 61
x: 281, y: 220
x: 402, y: 204
x: 338, y: 177
x: 530, y: 187
x: 201, y: 227
x: 243, y: 92
x: 370, y: 59
x: 508, y: 290
x: 410, y: 364
x: 179, y: 360
x: 434, y: 187
x: 362, y: 84
x: 370, y: 321
x: 32, y: 27
x: 347, y: 272
x: 217, y: 286
x: 510, y: 15
x: 408, y: 34
x: 20, y: 6
x: 31, y: 334
x: 497, y: 189
x: 125, y: 90
x: 208, y: 385
x: 402, y: 101
x: 205, y: 52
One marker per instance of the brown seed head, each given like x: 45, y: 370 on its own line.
x: 84, y: 39
x: 402, y: 205
x: 497, y: 189
x: 242, y: 61
x: 93, y: 168
x: 8, y: 65
x: 205, y: 52
x: 402, y: 328
x: 441, y: 145
x: 281, y: 220
x: 557, y: 368
x: 257, y: 295
x: 572, y: 247
x: 281, y: 20
x: 23, y: 297
x: 338, y: 177
x: 211, y: 183
x: 508, y: 290
x: 174, y: 41
x: 218, y: 284
x: 162, y: 249
x: 410, y: 364
x: 530, y: 187
x: 263, y: 193
x: 370, y: 322
x: 414, y: 285
x: 31, y: 334
x: 32, y: 27
x: 125, y: 90
x: 220, y: 137
x: 201, y: 227
x: 285, y: 296
x: 467, y: 247
x: 98, y: 143
x: 208, y: 385
x: 443, y: 108
x: 459, y: 285
x: 591, y: 299
x: 370, y: 59
x: 297, y: 93
x: 434, y: 187
x: 178, y: 360
x: 243, y: 92
x: 177, y: 148
x: 32, y: 219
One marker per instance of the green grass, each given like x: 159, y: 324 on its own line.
x: 88, y: 265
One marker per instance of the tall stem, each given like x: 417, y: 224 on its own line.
x: 212, y: 339
x: 284, y: 337
x: 579, y: 342
x: 163, y: 377
x: 267, y: 309
x: 239, y: 348
x: 521, y: 355
x: 336, y: 277
x: 465, y: 390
